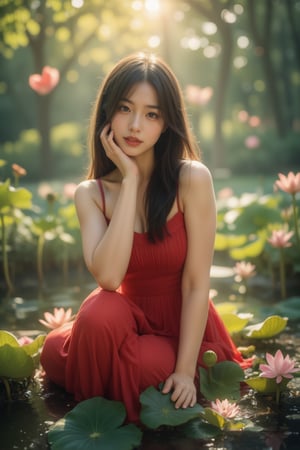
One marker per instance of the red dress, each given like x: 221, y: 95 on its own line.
x: 122, y: 342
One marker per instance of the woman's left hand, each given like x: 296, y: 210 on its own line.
x: 184, y: 390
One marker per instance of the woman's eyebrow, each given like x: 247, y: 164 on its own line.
x: 124, y: 99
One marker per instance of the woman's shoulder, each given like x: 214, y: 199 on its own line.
x: 86, y: 190
x: 194, y: 174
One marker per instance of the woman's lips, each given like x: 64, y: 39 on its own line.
x: 132, y: 141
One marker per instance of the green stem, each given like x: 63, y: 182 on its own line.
x: 296, y: 219
x: 282, y: 274
x: 40, y: 250
x: 209, y: 374
x: 4, y: 253
x: 277, y: 394
x: 7, y: 388
x: 65, y: 264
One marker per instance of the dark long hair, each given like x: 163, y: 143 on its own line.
x: 175, y: 143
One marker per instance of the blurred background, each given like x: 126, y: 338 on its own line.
x: 238, y: 63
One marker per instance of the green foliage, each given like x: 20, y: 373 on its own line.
x: 267, y: 329
x: 289, y: 308
x: 221, y: 381
x: 197, y: 429
x: 67, y: 143
x: 93, y: 424
x: 13, y: 198
x: 17, y: 362
x: 274, y: 154
x: 246, y: 223
x: 266, y: 385
x: 51, y: 226
x: 158, y: 409
x: 235, y: 322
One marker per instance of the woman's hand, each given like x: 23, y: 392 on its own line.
x: 124, y: 163
x: 184, y: 390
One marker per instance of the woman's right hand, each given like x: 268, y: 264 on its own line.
x: 124, y: 163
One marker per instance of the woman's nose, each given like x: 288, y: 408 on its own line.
x: 135, y: 122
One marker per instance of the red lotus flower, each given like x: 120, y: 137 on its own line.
x: 280, y: 238
x: 45, y: 83
x: 244, y: 270
x: 278, y: 367
x: 225, y: 408
x: 59, y: 318
x: 289, y: 183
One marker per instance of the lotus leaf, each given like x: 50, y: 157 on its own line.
x: 93, y: 424
x: 270, y: 327
x: 158, y: 409
x: 221, y: 381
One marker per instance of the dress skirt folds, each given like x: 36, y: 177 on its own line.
x: 122, y: 342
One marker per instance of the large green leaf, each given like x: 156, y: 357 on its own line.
x: 214, y: 418
x: 196, y: 429
x: 94, y: 424
x: 221, y: 381
x: 289, y: 308
x: 256, y: 216
x: 12, y: 197
x: 34, y: 346
x: 251, y: 250
x: 158, y: 409
x: 15, y: 363
x: 225, y: 241
x: 266, y: 385
x: 270, y: 327
x: 8, y: 338
x: 235, y: 322
x: 226, y: 307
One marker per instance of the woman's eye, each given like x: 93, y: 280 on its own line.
x: 123, y: 108
x: 153, y: 115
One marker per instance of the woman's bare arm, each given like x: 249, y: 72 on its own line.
x: 200, y: 220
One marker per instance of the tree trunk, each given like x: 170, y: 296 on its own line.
x: 219, y: 154
x: 263, y: 42
x: 212, y: 10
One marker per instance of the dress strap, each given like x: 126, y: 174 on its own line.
x: 177, y: 199
x: 102, y: 196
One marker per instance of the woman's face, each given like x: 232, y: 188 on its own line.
x: 138, y: 123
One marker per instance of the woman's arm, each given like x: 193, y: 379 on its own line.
x: 200, y: 220
x: 107, y: 249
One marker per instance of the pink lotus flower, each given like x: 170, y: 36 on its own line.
x: 252, y: 142
x: 278, y: 367
x: 289, y: 183
x: 45, y: 83
x: 197, y: 95
x: 59, y: 318
x: 69, y: 190
x: 225, y: 408
x: 24, y: 340
x: 244, y: 270
x: 243, y: 116
x: 280, y: 238
x: 18, y: 171
x: 254, y: 121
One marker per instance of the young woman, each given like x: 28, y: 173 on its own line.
x: 147, y: 217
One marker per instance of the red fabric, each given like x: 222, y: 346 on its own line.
x: 122, y: 342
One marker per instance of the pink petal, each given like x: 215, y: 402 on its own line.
x: 46, y: 324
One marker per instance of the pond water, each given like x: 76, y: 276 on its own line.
x: 24, y: 423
